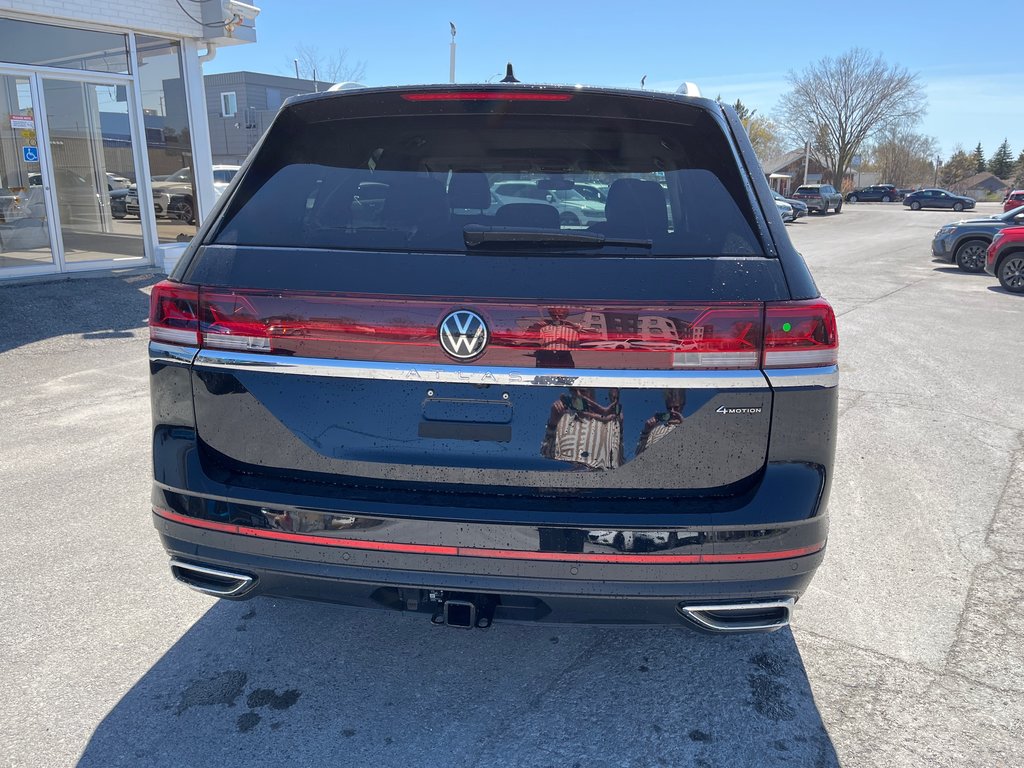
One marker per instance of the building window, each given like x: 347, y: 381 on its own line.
x: 273, y: 98
x: 228, y: 104
x: 26, y: 42
x: 168, y: 135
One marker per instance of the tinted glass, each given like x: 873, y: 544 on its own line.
x: 415, y: 181
x: 25, y: 42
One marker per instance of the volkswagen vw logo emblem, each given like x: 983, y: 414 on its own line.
x: 463, y: 334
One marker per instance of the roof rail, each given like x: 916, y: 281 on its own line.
x: 688, y: 89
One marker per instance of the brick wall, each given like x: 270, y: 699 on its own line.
x: 160, y: 17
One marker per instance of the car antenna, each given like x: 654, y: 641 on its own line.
x: 509, y: 74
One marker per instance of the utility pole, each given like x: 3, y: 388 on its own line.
x: 297, y: 69
x: 451, y: 62
x: 807, y: 160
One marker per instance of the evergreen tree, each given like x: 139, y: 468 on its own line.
x: 979, y: 158
x: 1001, y: 163
x: 745, y: 113
x: 1018, y: 178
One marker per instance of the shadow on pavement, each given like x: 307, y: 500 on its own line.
x: 89, y: 308
x: 281, y: 683
x: 999, y: 289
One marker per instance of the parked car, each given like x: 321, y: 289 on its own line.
x: 396, y: 411
x: 965, y: 242
x: 937, y: 198
x: 799, y: 207
x: 78, y: 201
x: 1005, y: 258
x: 819, y: 197
x: 876, y: 193
x: 785, y: 210
x: 1014, y: 199
x: 9, y: 205
x: 592, y: 191
x: 173, y: 197
x: 573, y: 208
x: 117, y: 182
x: 118, y: 203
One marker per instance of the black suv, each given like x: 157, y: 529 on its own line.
x: 878, y: 193
x: 370, y: 386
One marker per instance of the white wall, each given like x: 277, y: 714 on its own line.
x: 161, y: 17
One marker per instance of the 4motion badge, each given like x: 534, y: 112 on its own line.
x: 729, y: 411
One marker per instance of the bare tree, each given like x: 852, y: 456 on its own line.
x: 764, y: 137
x: 839, y: 103
x: 904, y: 157
x: 332, y: 68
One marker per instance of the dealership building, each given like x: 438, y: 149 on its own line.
x: 105, y: 157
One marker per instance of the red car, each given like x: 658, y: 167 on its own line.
x: 1005, y: 258
x: 1013, y: 200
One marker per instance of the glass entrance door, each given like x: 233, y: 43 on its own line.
x: 24, y: 232
x: 92, y: 164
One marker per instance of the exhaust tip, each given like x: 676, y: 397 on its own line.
x: 211, y: 581
x: 764, y: 616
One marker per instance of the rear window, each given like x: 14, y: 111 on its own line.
x: 808, y: 190
x: 415, y: 180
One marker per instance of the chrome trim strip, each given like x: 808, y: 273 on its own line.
x: 701, y: 615
x: 243, y: 582
x: 456, y: 374
x: 172, y: 353
x: 783, y: 378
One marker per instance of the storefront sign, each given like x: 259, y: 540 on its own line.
x: 31, y: 154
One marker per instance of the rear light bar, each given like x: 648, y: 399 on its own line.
x: 488, y: 96
x: 607, y: 335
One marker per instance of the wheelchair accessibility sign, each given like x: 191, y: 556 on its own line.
x: 31, y: 154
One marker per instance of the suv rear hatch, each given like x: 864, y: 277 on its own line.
x: 369, y: 314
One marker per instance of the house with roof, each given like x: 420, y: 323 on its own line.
x: 786, y: 172
x: 982, y: 185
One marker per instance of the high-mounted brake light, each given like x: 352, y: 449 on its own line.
x: 800, y: 334
x: 488, y: 96
x: 174, y: 313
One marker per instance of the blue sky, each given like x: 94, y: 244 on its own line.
x: 739, y: 50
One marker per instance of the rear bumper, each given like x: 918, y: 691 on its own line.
x: 527, y: 591
x: 564, y: 573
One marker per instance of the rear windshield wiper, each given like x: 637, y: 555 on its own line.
x: 476, y: 235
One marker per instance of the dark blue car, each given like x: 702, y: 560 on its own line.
x: 937, y: 198
x: 475, y: 413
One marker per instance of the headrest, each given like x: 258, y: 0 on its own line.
x: 636, y: 206
x: 527, y: 215
x: 469, y: 189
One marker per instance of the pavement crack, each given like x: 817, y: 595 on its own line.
x: 883, y: 296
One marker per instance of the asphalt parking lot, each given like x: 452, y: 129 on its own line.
x: 908, y: 649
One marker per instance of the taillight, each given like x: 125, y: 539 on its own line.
x: 174, y: 313
x: 800, y: 334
